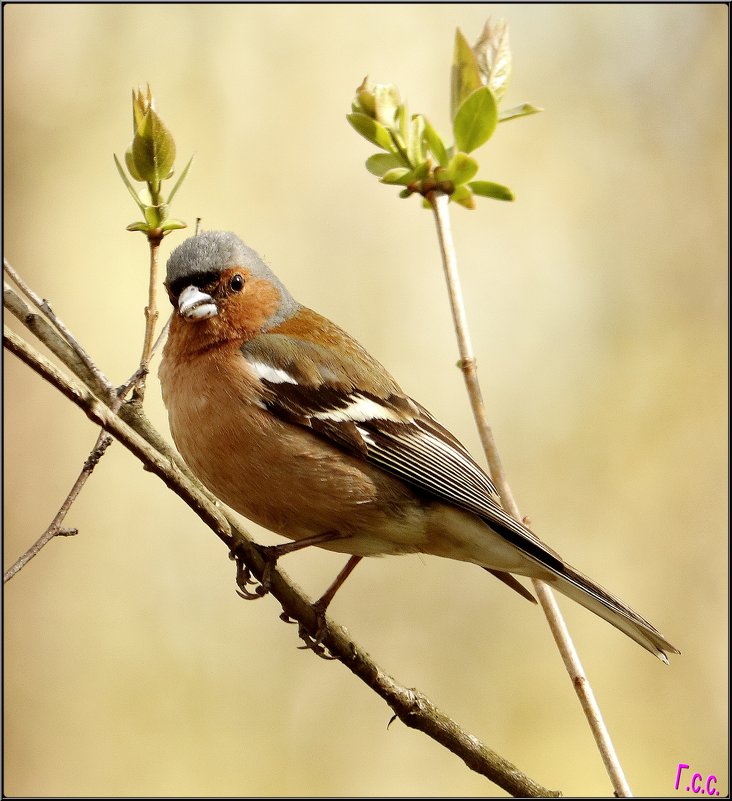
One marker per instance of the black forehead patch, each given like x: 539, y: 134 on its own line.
x: 204, y: 282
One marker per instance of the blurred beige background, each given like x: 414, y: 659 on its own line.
x: 598, y: 304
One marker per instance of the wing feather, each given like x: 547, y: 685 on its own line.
x: 352, y: 402
x: 387, y: 428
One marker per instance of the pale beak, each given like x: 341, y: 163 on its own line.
x: 196, y: 305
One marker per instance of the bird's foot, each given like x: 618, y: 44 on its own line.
x: 245, y: 580
x: 270, y: 554
x: 314, y: 642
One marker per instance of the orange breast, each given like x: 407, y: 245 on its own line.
x: 280, y: 475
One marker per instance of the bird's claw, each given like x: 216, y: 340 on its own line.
x: 244, y: 579
x: 314, y: 643
x: 244, y: 582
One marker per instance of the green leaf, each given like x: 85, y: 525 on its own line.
x: 402, y: 122
x: 172, y: 225
x: 461, y: 168
x: 434, y: 143
x: 140, y: 106
x: 493, y: 54
x: 379, y: 163
x: 138, y: 226
x: 422, y: 170
x: 415, y: 142
x: 364, y: 99
x: 130, y: 188
x: 130, y: 164
x: 180, y: 180
x: 153, y: 149
x: 489, y: 189
x: 463, y: 196
x: 399, y: 175
x: 156, y: 215
x: 465, y: 76
x: 371, y: 130
x: 152, y: 216
x: 518, y: 111
x: 386, y: 102
x: 475, y: 120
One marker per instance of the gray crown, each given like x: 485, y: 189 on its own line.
x: 214, y: 251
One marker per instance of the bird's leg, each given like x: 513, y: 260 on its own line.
x: 321, y: 605
x: 272, y: 553
x: 323, y: 602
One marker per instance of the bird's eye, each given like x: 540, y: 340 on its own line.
x: 236, y: 283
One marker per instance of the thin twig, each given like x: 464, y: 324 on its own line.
x: 151, y: 315
x: 52, y: 339
x: 129, y: 412
x: 412, y: 708
x: 558, y: 627
x: 45, y: 307
x: 55, y: 530
x: 138, y: 377
x: 15, y: 304
x: 62, y: 343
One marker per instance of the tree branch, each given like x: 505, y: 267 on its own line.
x: 151, y: 315
x: 39, y: 325
x: 68, y: 337
x: 558, y: 627
x: 63, y: 345
x: 132, y: 428
x: 55, y: 530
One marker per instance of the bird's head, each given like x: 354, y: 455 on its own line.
x: 221, y: 289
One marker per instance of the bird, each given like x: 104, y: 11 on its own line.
x: 288, y: 420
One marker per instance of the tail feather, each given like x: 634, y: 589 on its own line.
x: 548, y: 565
x: 592, y: 596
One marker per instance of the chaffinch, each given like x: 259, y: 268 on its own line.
x: 289, y: 421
